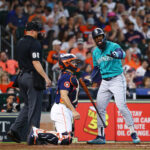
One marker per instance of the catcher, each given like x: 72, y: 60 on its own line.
x: 63, y: 110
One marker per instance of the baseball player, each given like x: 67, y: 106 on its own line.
x: 107, y: 58
x: 63, y: 110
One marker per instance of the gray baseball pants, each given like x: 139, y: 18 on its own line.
x: 116, y: 87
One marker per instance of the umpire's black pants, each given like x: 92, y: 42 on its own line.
x: 30, y: 114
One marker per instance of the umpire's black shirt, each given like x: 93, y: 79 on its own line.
x: 28, y: 49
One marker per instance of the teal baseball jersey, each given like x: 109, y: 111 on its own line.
x: 109, y: 66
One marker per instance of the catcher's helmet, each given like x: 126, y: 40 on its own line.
x: 34, y: 25
x: 97, y: 32
x: 69, y: 61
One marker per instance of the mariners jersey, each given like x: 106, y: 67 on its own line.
x: 109, y: 66
x: 69, y: 82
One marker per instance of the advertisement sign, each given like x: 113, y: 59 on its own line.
x: 141, y: 117
x: 6, y: 120
x: 5, y: 123
x: 86, y: 127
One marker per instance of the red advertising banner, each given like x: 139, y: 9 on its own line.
x: 141, y: 117
x: 86, y: 127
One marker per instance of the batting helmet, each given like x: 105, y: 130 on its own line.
x: 97, y: 32
x: 69, y: 61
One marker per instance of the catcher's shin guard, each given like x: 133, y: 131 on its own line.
x: 48, y: 137
x: 67, y: 138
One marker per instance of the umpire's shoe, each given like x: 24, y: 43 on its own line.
x: 98, y: 140
x: 14, y: 136
x: 32, y: 138
x: 135, y: 138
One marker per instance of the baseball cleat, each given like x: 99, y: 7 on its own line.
x: 32, y: 138
x: 98, y: 140
x: 135, y: 138
x: 14, y: 136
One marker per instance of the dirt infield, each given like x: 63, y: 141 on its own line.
x: 108, y: 146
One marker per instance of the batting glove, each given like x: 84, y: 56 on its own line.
x: 113, y: 54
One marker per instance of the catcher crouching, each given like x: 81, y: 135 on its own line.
x: 63, y: 110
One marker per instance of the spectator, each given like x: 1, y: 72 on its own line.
x: 11, y: 104
x: 134, y: 62
x: 80, y: 50
x: 88, y: 28
x: 146, y: 82
x: 122, y: 21
x: 146, y: 31
x: 128, y: 4
x: 113, y: 32
x: 3, y: 5
x: 133, y: 18
x: 51, y: 26
x: 17, y: 20
x: 80, y: 7
x: 130, y: 75
x: 103, y: 18
x: 42, y: 5
x: 96, y: 7
x: 148, y: 52
x: 62, y: 24
x: 111, y: 5
x: 147, y: 73
x: 53, y: 55
x: 37, y: 15
x: 48, y: 13
x: 89, y: 44
x: 140, y: 72
x: 28, y: 8
x: 13, y: 5
x: 71, y: 26
x: 69, y: 43
x: 88, y: 12
x: 78, y: 21
x: 120, y: 8
x: 8, y: 65
x: 142, y: 69
x: 89, y: 59
x: 5, y: 82
x: 56, y: 13
x: 63, y: 10
x: 134, y: 48
x: 133, y: 34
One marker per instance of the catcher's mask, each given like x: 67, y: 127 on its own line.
x: 100, y: 42
x: 69, y: 61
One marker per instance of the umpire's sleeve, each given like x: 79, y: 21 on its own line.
x: 35, y: 51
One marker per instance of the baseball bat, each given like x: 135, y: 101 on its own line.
x: 91, y: 99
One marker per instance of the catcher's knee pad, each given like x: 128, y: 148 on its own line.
x: 67, y: 140
x: 48, y: 137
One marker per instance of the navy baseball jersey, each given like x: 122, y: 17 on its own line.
x: 69, y: 82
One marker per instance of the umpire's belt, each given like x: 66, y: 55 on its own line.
x: 108, y: 79
x: 27, y: 71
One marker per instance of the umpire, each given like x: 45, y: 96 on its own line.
x: 31, y: 80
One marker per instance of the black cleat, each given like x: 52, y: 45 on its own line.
x: 14, y: 136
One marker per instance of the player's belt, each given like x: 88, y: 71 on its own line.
x: 108, y: 79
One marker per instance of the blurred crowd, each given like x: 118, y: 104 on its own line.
x: 68, y: 25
